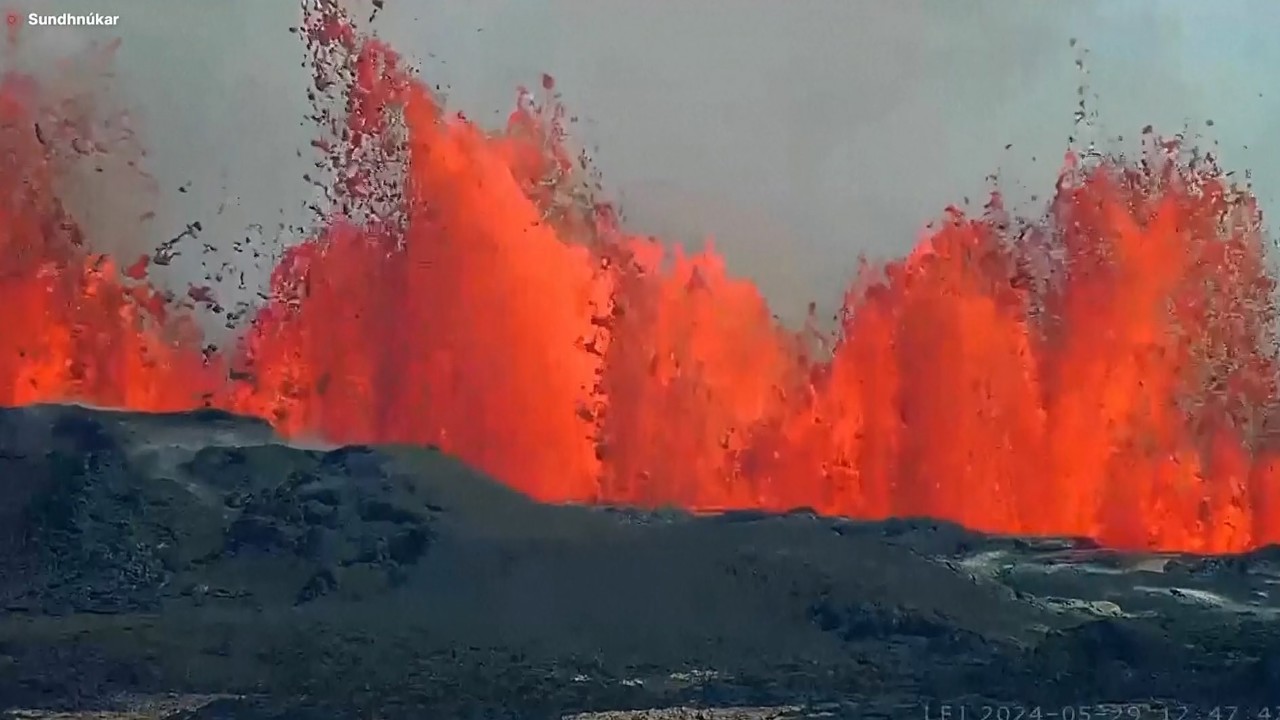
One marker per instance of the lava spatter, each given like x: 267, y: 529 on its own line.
x: 466, y: 291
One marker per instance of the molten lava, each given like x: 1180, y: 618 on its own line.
x: 1108, y: 371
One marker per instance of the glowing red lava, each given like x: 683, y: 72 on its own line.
x: 1107, y: 371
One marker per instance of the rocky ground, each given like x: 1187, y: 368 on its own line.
x: 191, y: 566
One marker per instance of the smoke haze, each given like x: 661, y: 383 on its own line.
x: 799, y: 135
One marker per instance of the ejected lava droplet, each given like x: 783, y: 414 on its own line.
x: 470, y: 295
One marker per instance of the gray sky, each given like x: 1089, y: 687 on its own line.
x: 799, y: 132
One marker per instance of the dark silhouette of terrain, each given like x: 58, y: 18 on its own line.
x: 196, y: 553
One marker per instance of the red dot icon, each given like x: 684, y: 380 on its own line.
x: 11, y: 18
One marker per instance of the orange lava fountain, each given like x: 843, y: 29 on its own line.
x: 1109, y: 371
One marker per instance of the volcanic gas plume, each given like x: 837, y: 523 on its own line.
x: 1107, y: 370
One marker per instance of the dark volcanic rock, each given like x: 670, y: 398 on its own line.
x: 87, y: 538
x: 196, y: 553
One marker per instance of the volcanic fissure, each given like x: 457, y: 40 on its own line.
x: 1108, y: 370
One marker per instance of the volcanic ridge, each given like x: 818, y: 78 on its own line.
x: 197, y: 553
x: 502, y: 375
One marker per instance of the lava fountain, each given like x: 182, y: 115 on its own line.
x: 1108, y: 370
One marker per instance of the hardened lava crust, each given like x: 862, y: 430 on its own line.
x: 196, y: 566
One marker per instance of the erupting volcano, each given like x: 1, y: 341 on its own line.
x: 1107, y: 370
